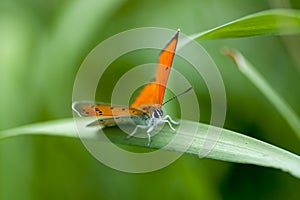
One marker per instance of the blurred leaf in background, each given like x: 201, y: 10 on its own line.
x: 42, y: 46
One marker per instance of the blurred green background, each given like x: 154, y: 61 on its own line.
x: 43, y: 43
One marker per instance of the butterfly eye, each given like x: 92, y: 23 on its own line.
x: 158, y: 113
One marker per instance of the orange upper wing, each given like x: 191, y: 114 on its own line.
x: 106, y: 114
x: 153, y: 93
x: 87, y: 109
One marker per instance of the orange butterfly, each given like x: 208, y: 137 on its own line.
x: 146, y: 108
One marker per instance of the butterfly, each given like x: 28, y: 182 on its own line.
x: 146, y: 109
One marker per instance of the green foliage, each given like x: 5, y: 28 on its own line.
x: 42, y: 46
x: 279, y: 103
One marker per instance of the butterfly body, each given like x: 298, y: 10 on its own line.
x: 146, y: 110
x: 156, y: 119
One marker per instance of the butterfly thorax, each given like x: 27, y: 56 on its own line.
x: 154, y: 111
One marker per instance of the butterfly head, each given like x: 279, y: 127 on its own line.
x: 157, y: 113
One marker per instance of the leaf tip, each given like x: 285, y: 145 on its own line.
x: 234, y: 55
x: 231, y: 53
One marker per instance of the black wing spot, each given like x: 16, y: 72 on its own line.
x: 123, y: 109
x: 167, y: 68
x: 112, y: 108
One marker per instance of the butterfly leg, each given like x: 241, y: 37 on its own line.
x: 170, y: 125
x: 168, y: 117
x: 149, y: 135
x: 136, y: 128
x: 170, y: 121
x: 152, y: 125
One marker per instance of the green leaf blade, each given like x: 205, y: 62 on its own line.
x: 270, y: 22
x: 230, y: 146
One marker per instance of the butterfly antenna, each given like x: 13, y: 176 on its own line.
x: 176, y: 96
